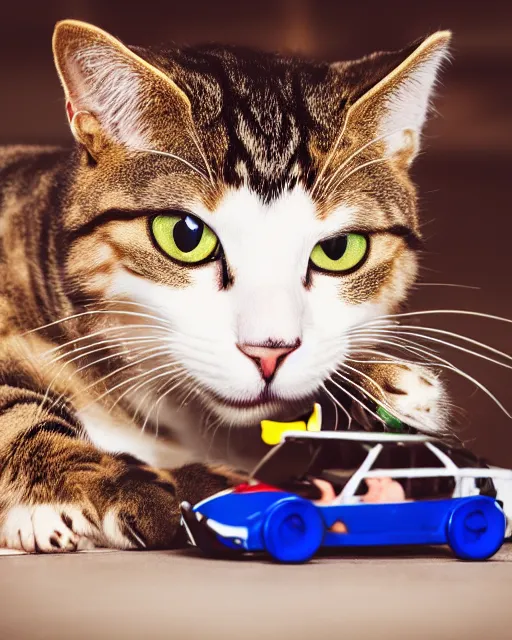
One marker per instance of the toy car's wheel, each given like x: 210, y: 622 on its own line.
x: 293, y: 530
x: 476, y: 529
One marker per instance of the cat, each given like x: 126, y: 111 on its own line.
x: 208, y: 254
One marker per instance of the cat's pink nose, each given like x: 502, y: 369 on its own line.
x: 268, y: 359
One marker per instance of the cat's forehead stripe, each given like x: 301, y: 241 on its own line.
x: 260, y: 105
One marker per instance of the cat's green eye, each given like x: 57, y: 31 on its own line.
x: 184, y: 238
x: 341, y: 253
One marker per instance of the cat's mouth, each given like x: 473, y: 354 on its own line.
x: 266, y: 405
x: 265, y: 398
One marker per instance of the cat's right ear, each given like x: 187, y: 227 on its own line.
x: 113, y: 96
x: 394, y: 95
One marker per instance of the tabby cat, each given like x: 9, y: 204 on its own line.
x: 205, y: 256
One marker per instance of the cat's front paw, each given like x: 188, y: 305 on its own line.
x: 146, y: 511
x: 413, y: 393
x: 121, y: 503
x: 45, y: 528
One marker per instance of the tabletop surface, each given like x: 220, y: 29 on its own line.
x: 415, y: 592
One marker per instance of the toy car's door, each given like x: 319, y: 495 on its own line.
x: 414, y: 509
x: 414, y: 522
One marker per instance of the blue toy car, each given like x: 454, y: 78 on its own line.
x: 347, y: 489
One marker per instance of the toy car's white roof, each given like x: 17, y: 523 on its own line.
x: 359, y: 436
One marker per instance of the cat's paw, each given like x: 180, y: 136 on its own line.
x: 143, y: 515
x: 418, y: 397
x: 45, y: 528
x: 146, y: 513
x: 117, y: 502
x: 415, y: 394
x: 139, y: 515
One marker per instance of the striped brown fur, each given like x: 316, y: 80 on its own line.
x: 73, y: 220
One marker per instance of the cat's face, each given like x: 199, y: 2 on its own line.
x: 259, y: 205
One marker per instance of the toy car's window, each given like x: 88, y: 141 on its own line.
x: 399, y: 456
x: 413, y: 456
x: 339, y: 455
x: 337, y: 461
x: 429, y: 488
x: 461, y: 457
x: 465, y: 459
x: 418, y: 488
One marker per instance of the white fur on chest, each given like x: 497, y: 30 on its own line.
x: 116, y: 437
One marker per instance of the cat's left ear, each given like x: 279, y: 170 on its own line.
x: 115, y: 97
x: 395, y: 108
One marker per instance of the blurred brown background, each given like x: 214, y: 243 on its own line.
x: 464, y: 174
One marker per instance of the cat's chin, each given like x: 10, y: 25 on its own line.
x: 247, y: 414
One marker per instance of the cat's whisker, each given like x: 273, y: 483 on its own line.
x: 42, y: 405
x: 162, y: 352
x: 390, y: 358
x: 380, y: 322
x: 354, y: 398
x: 330, y: 156
x: 107, y: 344
x: 476, y: 314
x: 134, y: 388
x: 165, y: 386
x: 346, y: 176
x: 400, y: 343
x: 201, y: 360
x: 357, y: 152
x: 366, y: 393
x: 419, y: 358
x: 161, y: 398
x: 442, y: 363
x: 358, y: 372
x: 337, y: 404
x: 446, y: 284
x: 187, y: 396
x: 159, y: 348
x: 168, y: 366
x: 139, y: 314
x: 199, y: 147
x: 68, y: 362
x: 167, y: 338
x: 336, y: 416
x: 91, y: 312
x: 452, y: 345
x: 215, y: 425
x: 408, y: 330
x: 140, y: 385
x: 120, y: 328
x: 113, y: 373
x: 175, y: 157
x: 87, y: 302
x: 205, y: 422
x: 448, y: 344
x: 188, y: 393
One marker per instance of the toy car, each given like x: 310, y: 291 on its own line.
x: 344, y: 489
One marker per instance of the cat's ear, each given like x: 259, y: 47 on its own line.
x: 394, y: 108
x: 112, y: 94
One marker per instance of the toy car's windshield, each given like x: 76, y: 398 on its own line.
x: 299, y: 458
